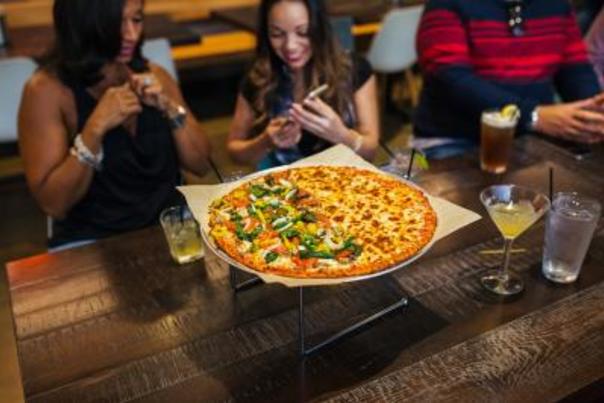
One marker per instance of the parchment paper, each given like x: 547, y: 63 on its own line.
x: 451, y: 217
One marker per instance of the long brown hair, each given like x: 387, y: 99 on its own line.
x: 329, y: 63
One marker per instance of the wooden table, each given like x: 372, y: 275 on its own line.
x: 34, y: 41
x: 118, y: 321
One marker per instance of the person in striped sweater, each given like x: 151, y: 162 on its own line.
x: 485, y: 54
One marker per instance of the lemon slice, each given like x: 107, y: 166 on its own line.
x: 421, y: 160
x: 510, y: 111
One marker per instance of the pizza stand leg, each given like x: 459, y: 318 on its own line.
x: 304, y: 351
x: 244, y: 285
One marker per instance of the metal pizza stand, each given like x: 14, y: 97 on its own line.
x: 450, y: 218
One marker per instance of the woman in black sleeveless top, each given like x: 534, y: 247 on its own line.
x: 102, y: 132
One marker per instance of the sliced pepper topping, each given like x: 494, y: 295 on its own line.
x: 270, y: 257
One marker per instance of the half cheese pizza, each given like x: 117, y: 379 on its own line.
x: 322, y: 222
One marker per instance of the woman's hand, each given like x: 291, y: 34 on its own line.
x: 150, y: 91
x: 320, y: 119
x: 581, y: 121
x: 283, y: 133
x: 115, y: 106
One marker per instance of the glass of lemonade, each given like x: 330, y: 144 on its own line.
x: 182, y: 233
x: 513, y: 209
x: 569, y: 227
x: 497, y: 128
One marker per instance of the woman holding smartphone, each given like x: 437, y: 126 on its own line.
x: 102, y: 132
x: 278, y: 119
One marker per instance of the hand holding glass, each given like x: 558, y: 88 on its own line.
x: 513, y: 209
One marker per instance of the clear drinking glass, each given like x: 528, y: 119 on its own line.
x: 182, y: 233
x: 399, y: 163
x: 234, y: 175
x: 569, y: 228
x: 513, y: 209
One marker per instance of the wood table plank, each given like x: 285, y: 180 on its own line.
x: 119, y: 321
x: 544, y: 355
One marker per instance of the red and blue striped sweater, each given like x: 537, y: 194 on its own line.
x: 471, y: 62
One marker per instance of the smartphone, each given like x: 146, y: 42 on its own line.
x: 316, y: 92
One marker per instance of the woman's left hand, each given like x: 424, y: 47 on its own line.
x: 150, y: 91
x: 320, y: 119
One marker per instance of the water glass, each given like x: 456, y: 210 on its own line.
x: 182, y: 233
x: 569, y: 228
x: 399, y: 163
x: 234, y: 175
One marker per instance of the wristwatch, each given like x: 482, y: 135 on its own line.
x: 177, y: 116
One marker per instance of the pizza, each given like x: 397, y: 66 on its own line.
x: 322, y: 222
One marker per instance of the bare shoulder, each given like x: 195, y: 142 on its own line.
x: 46, y: 102
x: 45, y: 87
x: 43, y: 81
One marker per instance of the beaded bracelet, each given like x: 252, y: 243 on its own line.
x: 84, y: 155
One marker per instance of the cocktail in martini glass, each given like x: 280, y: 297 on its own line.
x: 513, y: 209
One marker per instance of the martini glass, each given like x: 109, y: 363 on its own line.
x: 513, y: 209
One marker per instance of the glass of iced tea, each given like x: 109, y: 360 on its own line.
x: 182, y: 233
x: 497, y: 128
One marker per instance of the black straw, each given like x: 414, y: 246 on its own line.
x: 410, y: 164
x: 551, y: 184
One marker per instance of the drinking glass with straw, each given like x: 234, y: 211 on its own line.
x: 406, y: 162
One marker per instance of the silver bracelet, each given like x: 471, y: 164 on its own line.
x: 84, y: 155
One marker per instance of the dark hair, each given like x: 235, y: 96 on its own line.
x: 88, y: 34
x: 329, y: 62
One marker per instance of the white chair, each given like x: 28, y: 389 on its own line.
x: 393, y: 47
x: 14, y: 72
x: 158, y: 52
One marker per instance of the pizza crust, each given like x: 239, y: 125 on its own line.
x: 366, y: 221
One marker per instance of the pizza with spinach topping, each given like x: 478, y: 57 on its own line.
x: 322, y: 222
